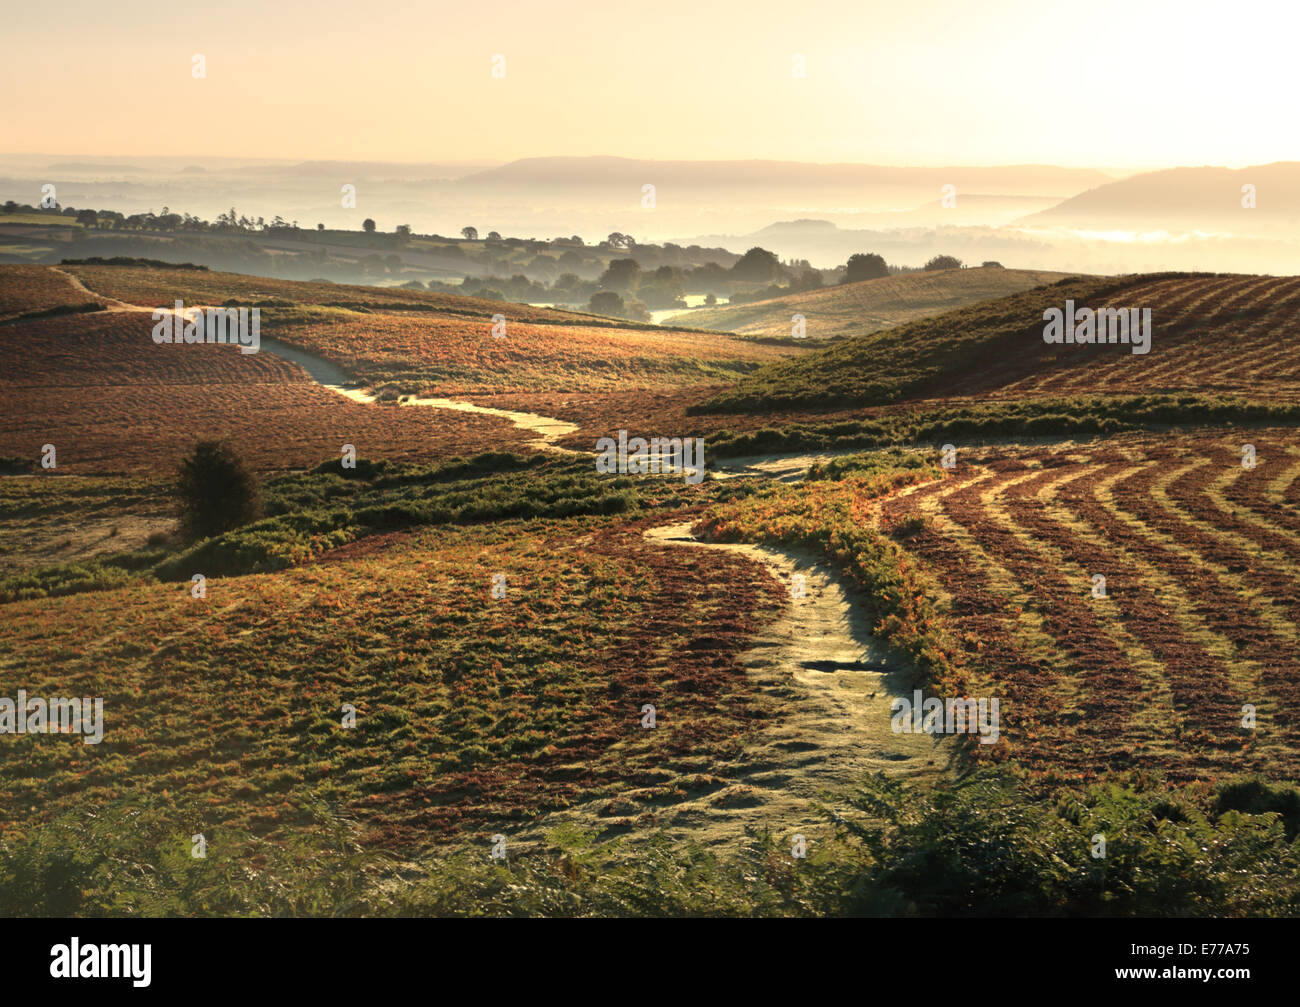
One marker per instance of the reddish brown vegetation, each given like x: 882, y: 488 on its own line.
x: 111, y: 400
x: 1200, y: 618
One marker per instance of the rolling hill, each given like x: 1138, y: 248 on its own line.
x: 1185, y: 199
x: 520, y: 715
x: 91, y: 380
x: 854, y: 309
x: 1228, y: 334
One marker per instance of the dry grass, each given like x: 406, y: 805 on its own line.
x: 859, y: 308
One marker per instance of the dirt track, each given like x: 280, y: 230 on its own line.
x: 820, y: 660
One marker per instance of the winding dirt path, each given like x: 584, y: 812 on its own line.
x: 113, y: 303
x: 834, y: 681
x: 818, y: 661
x: 329, y: 375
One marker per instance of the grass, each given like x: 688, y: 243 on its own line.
x: 975, y: 849
x: 934, y: 423
x: 312, y: 512
x: 855, y: 309
x: 40, y: 513
x: 1224, y: 334
x: 453, y: 355
x: 473, y: 712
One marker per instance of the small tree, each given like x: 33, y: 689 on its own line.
x: 991, y: 265
x: 606, y: 302
x: 622, y: 275
x: 469, y: 233
x: 368, y: 226
x: 865, y: 266
x: 403, y: 230
x: 215, y: 491
x: 87, y: 218
x: 943, y: 262
x: 758, y: 265
x: 636, y: 310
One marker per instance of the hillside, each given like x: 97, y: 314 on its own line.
x: 519, y: 714
x: 1211, y: 333
x: 26, y: 290
x: 95, y: 384
x: 853, y: 309
x: 1193, y: 198
x: 150, y: 287
x: 110, y: 400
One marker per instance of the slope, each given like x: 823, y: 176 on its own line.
x: 853, y: 309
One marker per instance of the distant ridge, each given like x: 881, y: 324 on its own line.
x: 601, y: 170
x: 1186, y: 198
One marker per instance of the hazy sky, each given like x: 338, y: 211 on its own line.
x: 1131, y: 83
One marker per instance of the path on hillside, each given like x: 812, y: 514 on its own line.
x: 329, y: 375
x: 113, y: 302
x: 833, y: 681
x: 790, y: 467
x: 817, y: 660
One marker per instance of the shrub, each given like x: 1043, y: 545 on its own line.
x: 12, y: 465
x: 215, y: 491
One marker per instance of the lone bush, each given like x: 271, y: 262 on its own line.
x: 215, y: 491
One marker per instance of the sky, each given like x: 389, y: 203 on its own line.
x: 1127, y: 84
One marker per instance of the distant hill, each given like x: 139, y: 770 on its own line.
x: 1025, y: 179
x: 369, y: 169
x: 855, y: 309
x: 1185, y: 199
x: 94, y: 168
